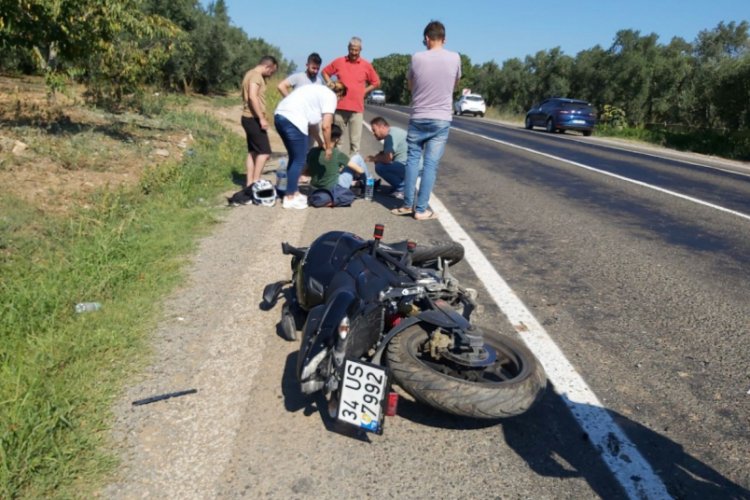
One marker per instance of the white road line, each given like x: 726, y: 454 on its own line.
x: 629, y: 467
x: 610, y: 174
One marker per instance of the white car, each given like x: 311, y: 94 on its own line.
x: 376, y: 97
x: 470, y: 103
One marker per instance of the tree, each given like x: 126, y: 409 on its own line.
x: 487, y: 82
x: 392, y: 70
x: 112, y: 42
x: 513, y: 83
x: 725, y: 40
x: 590, y: 76
x: 549, y: 73
x: 671, y: 90
x: 632, y: 65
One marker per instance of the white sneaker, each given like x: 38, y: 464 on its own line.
x: 299, y: 202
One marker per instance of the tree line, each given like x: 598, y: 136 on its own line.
x: 637, y: 81
x: 117, y: 47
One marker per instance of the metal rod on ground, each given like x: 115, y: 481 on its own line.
x: 161, y: 397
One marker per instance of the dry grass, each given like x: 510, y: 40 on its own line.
x: 72, y: 150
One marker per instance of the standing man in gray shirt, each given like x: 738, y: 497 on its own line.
x: 432, y: 78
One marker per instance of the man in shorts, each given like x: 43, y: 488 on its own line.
x: 311, y: 76
x: 254, y: 119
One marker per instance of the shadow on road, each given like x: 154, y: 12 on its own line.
x: 550, y: 441
x: 295, y: 400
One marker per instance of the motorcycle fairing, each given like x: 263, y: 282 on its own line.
x: 325, y: 257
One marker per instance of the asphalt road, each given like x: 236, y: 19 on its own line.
x: 646, y: 293
x: 640, y: 275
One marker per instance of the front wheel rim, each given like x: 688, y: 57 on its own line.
x: 506, y: 369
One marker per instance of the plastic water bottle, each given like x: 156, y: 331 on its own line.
x: 281, y: 176
x: 369, y: 188
x: 84, y: 307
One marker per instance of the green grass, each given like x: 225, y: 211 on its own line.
x: 498, y: 114
x: 726, y: 144
x: 60, y: 371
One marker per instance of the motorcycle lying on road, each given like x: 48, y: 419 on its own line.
x: 372, y: 311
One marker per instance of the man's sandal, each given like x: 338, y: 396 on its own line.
x: 402, y: 211
x: 426, y: 215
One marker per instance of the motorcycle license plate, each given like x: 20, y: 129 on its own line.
x: 363, y: 395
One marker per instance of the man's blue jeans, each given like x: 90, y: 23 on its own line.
x: 428, y: 138
x: 393, y: 173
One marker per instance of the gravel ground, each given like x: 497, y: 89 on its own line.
x: 211, y: 339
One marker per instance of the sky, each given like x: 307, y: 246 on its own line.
x: 484, y: 30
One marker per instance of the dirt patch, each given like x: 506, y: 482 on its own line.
x: 230, y: 116
x: 56, y: 153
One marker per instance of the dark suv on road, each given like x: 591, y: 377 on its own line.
x: 561, y: 114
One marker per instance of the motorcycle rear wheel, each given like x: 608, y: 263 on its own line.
x: 506, y: 388
x: 427, y: 256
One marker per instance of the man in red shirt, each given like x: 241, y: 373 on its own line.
x: 360, y: 78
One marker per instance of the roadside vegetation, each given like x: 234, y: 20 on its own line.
x: 97, y: 207
x: 687, y: 95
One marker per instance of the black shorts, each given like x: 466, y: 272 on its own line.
x: 257, y: 138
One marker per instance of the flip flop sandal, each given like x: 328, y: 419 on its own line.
x: 402, y: 211
x: 426, y: 215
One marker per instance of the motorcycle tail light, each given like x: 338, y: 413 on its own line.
x: 378, y: 233
x: 392, y: 404
x: 344, y: 328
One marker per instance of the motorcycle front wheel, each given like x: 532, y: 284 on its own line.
x: 506, y: 387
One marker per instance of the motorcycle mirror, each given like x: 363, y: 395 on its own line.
x: 271, y: 293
